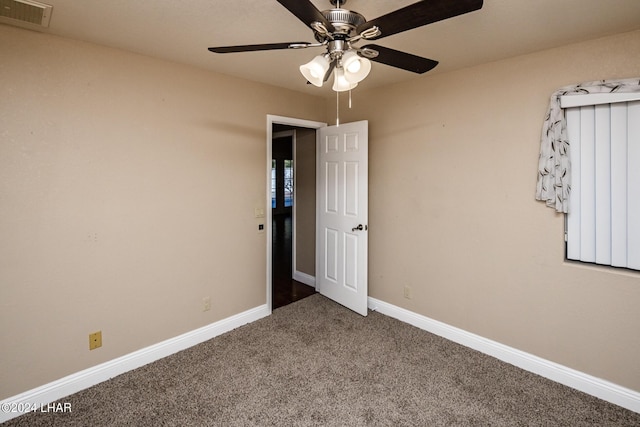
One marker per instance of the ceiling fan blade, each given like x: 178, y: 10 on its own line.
x: 256, y: 47
x: 403, y: 60
x: 305, y: 11
x: 419, y: 14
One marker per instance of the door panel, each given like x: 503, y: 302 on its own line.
x: 342, y: 235
x: 331, y: 255
x: 332, y: 187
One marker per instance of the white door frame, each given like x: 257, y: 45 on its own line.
x: 271, y: 120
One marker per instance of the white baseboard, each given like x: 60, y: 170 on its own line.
x: 305, y: 278
x: 73, y: 383
x: 586, y: 383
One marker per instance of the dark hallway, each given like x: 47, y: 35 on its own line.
x: 285, y: 289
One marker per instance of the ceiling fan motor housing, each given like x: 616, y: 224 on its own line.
x: 344, y: 21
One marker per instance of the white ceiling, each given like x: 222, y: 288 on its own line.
x: 181, y: 31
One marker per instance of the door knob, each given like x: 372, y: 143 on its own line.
x: 359, y: 227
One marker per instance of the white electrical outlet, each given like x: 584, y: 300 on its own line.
x: 407, y: 292
x: 206, y: 303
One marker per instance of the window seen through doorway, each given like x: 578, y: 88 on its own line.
x: 281, y: 179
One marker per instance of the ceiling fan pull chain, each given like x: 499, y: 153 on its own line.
x: 337, y: 108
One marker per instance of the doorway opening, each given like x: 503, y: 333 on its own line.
x: 291, y: 147
x: 285, y: 289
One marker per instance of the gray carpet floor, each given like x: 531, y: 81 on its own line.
x: 315, y: 363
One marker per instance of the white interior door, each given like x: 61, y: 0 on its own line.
x: 342, y: 206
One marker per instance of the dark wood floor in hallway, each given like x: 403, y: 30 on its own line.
x: 285, y: 289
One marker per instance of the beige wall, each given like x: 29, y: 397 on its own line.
x: 127, y: 194
x: 128, y: 187
x: 305, y: 168
x: 452, y: 172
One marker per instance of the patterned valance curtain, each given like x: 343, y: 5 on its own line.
x: 554, y: 177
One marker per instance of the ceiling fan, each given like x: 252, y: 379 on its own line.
x: 339, y: 30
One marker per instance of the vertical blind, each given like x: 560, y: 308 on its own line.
x: 603, y: 222
x: 553, y: 185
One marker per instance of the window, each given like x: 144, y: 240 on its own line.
x: 603, y: 221
x: 273, y: 183
x: 288, y: 183
x: 281, y: 183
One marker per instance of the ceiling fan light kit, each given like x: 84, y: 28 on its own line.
x: 315, y: 70
x: 356, y: 68
x: 340, y: 81
x: 339, y: 30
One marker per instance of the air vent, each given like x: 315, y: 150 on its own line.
x: 29, y: 12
